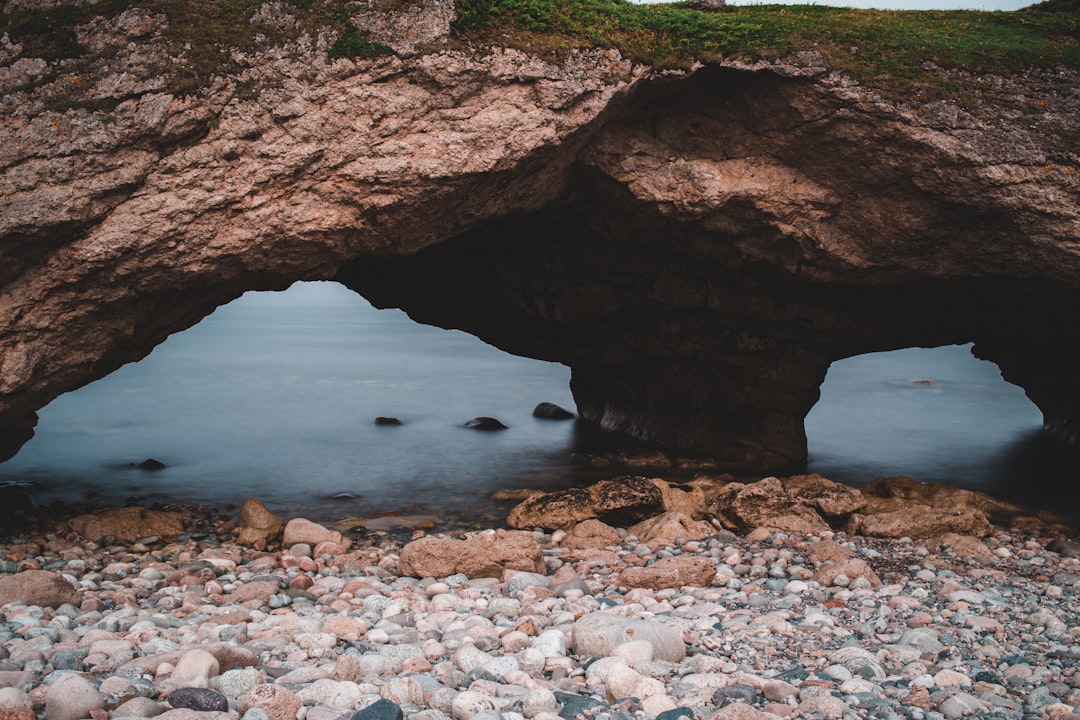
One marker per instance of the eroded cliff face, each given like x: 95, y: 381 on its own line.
x: 697, y: 247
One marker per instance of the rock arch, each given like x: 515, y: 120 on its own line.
x: 697, y: 247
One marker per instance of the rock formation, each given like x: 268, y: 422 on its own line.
x: 697, y: 246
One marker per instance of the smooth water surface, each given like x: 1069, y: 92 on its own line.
x: 274, y: 396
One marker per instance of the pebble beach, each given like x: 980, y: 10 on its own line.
x: 780, y: 625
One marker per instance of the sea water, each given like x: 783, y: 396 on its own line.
x: 275, y: 396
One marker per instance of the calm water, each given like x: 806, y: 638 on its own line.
x: 274, y: 396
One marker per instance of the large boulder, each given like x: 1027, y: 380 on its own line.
x: 37, y: 587
x: 599, y: 633
x: 128, y: 524
x: 670, y: 572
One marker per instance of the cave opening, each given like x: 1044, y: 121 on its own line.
x: 275, y: 396
x: 936, y: 414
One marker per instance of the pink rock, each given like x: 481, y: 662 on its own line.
x: 302, y: 530
x: 71, y: 697
x: 37, y: 587
x: 278, y: 702
x: 671, y: 572
x: 483, y: 555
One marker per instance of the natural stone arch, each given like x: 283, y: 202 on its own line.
x: 698, y: 249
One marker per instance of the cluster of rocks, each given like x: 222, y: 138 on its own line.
x: 588, y: 621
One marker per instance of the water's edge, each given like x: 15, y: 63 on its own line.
x: 274, y: 396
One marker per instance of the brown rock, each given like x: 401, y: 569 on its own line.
x: 891, y: 494
x: 668, y: 527
x: 921, y: 521
x: 591, y: 534
x: 261, y: 590
x: 670, y: 572
x: 966, y: 546
x: 686, y: 498
x: 832, y: 559
x: 483, y: 555
x: 257, y: 523
x: 619, y: 501
x: 829, y: 498
x: 743, y: 507
x: 37, y: 587
x: 128, y: 524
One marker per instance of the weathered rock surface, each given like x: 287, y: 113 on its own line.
x: 657, y: 218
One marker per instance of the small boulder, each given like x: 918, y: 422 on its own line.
x: 151, y: 464
x: 551, y: 411
x: 670, y: 572
x: 591, y: 535
x: 387, y: 421
x: 72, y: 697
x: 256, y: 523
x: 487, y: 554
x: 599, y: 633
x: 669, y: 527
x: 37, y: 587
x: 200, y: 699
x: 485, y: 423
x: 278, y: 702
x: 302, y: 530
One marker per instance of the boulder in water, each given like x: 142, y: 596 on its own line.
x: 485, y: 423
x: 387, y: 421
x: 151, y: 464
x: 551, y: 411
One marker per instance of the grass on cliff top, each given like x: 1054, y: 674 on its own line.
x: 868, y: 43
x: 885, y: 47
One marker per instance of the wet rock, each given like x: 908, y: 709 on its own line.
x: 152, y: 465
x: 551, y: 411
x: 387, y: 421
x: 487, y: 554
x: 37, y: 587
x: 485, y: 423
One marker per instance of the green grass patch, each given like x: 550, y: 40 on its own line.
x: 868, y: 43
x: 887, y: 48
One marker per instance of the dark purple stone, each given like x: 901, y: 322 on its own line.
x: 199, y: 699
